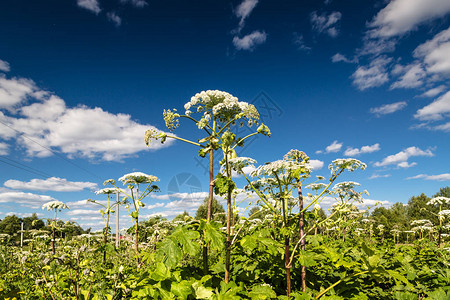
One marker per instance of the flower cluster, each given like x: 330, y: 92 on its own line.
x: 107, y: 191
x: 439, y: 201
x: 350, y: 164
x: 138, y: 177
x: 222, y: 105
x: 239, y: 163
x: 316, y: 186
x: 53, y: 205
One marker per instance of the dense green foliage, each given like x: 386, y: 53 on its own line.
x: 363, y: 266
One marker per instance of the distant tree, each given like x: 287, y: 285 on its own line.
x: 181, y: 217
x: 10, y: 225
x: 217, y: 211
x: 33, y: 222
x: 257, y: 213
x: 418, y: 209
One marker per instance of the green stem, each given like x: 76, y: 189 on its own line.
x: 337, y: 282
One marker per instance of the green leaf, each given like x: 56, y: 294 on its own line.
x: 160, y: 273
x: 262, y: 292
x: 214, y: 236
x: 181, y: 289
x: 202, y: 292
x: 186, y: 238
x: 169, y: 253
x: 223, y: 184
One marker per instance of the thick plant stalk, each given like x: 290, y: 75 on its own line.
x: 302, y: 232
x: 136, y: 240
x: 287, y: 266
x: 208, y: 215
x: 53, y: 235
x: 229, y: 212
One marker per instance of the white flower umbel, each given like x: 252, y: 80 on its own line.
x: 439, y: 201
x: 350, y: 164
x: 239, y: 163
x: 107, y: 191
x: 55, y: 205
x: 445, y: 212
x: 138, y: 177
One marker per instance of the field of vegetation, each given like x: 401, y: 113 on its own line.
x: 285, y: 246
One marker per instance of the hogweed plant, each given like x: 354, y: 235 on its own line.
x: 106, y: 212
x: 54, y: 206
x: 135, y: 195
x: 274, y: 185
x: 442, y: 214
x: 216, y: 113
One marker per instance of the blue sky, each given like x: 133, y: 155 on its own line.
x: 81, y: 81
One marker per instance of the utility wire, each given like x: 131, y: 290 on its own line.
x: 24, y: 167
x: 49, y: 149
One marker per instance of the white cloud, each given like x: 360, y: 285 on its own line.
x: 388, y: 108
x: 24, y: 215
x: 113, y: 17
x: 250, y: 41
x: 442, y: 127
x: 400, y: 159
x: 334, y: 147
x: 436, y: 110
x: 326, y: 23
x: 4, y: 148
x: 136, y: 3
x: 80, y: 131
x: 243, y: 11
x: 4, y: 66
x: 50, y: 184
x: 412, y: 76
x: 406, y: 165
x: 91, y: 5
x: 374, y: 176
x: 316, y: 164
x: 29, y: 199
x: 435, y: 53
x: 439, y: 177
x: 182, y: 196
x: 14, y: 91
x: 156, y: 205
x: 434, y: 91
x: 373, y: 75
x: 299, y: 41
x: 364, y: 149
x: 338, y: 57
x: 402, y: 16
x: 83, y: 212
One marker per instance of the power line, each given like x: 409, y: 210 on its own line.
x: 30, y: 171
x: 49, y: 149
x: 24, y: 167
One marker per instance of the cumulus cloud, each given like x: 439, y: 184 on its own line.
x: 338, y: 57
x: 135, y: 3
x: 326, y: 23
x: 412, y: 76
x: 4, y: 66
x: 299, y: 41
x: 27, y: 199
x: 373, y: 75
x: 435, y: 53
x: 364, y: 149
x: 113, y: 17
x: 50, y: 184
x: 434, y: 91
x: 81, y: 131
x: 15, y: 91
x: 374, y: 176
x: 436, y: 110
x: 402, y: 16
x: 91, y: 5
x: 243, y: 10
x: 439, y: 177
x: 401, y: 158
x: 388, y: 108
x: 250, y: 41
x: 316, y: 164
x: 4, y: 148
x: 335, y: 146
